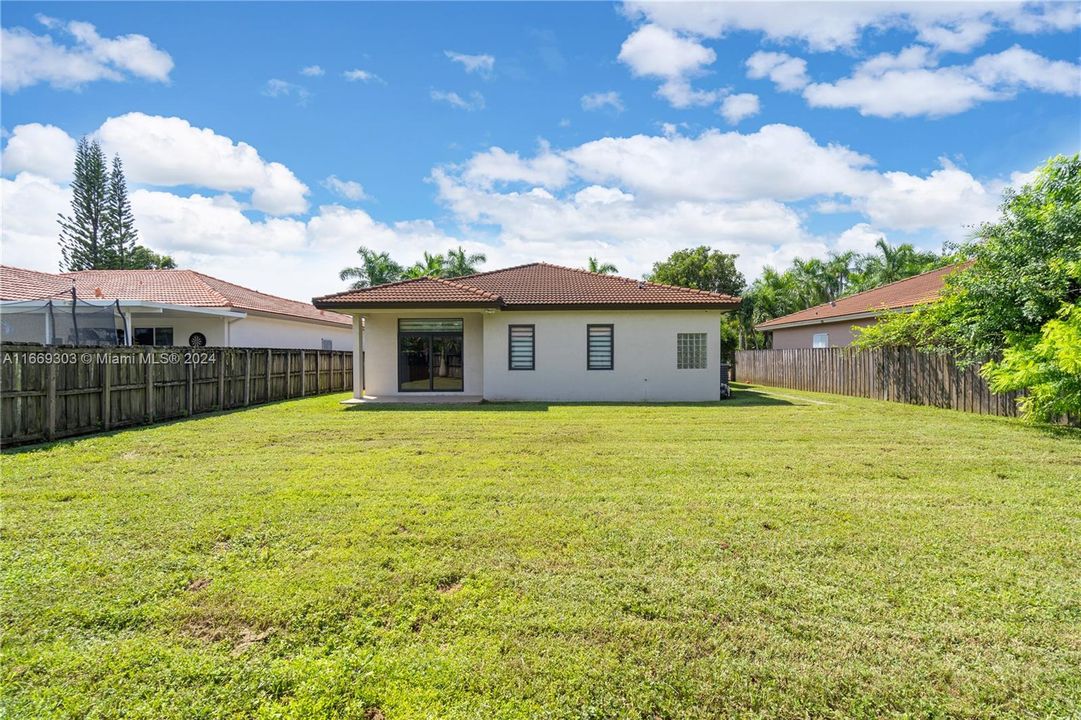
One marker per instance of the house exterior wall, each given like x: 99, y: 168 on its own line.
x: 644, y: 357
x: 381, y: 352
x: 210, y: 326
x: 252, y: 331
x: 257, y: 331
x: 840, y: 334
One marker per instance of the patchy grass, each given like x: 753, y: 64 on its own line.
x: 783, y: 555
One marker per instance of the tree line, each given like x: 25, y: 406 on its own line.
x: 377, y: 268
x: 804, y: 284
x: 100, y: 232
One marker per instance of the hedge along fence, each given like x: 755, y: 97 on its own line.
x: 49, y: 392
x: 896, y: 374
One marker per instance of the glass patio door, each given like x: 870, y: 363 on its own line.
x: 430, y: 355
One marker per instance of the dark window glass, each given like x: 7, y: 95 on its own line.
x: 522, y: 352
x: 599, y: 347
x: 143, y: 336
x: 430, y: 358
x: 163, y: 336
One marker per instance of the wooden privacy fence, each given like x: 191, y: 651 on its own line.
x: 897, y: 374
x: 49, y: 392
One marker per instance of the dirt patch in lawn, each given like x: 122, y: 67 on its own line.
x: 242, y: 637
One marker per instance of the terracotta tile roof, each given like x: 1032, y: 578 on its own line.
x: 168, y: 287
x: 893, y: 296
x: 421, y: 291
x: 19, y: 284
x: 536, y: 285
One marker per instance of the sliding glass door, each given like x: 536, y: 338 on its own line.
x: 430, y: 355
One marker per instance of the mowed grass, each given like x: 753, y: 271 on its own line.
x: 777, y: 555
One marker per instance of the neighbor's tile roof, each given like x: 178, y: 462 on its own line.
x: 893, y: 296
x: 20, y: 284
x: 534, y: 285
x: 168, y: 287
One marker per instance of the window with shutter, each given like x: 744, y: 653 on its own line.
x: 521, y: 354
x: 599, y: 342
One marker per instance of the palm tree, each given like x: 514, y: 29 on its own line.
x: 374, y: 269
x: 601, y: 268
x: 459, y: 263
x: 430, y: 266
x: 894, y: 263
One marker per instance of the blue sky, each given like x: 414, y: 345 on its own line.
x: 528, y: 131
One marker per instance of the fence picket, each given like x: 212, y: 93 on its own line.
x: 903, y: 375
x: 55, y: 397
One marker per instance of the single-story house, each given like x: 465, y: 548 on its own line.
x: 535, y: 332
x: 831, y: 324
x: 159, y: 307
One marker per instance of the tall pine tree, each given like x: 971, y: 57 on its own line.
x: 83, y: 235
x: 120, y: 232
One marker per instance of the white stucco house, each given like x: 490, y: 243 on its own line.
x: 159, y: 307
x: 534, y: 332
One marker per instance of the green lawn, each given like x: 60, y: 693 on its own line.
x: 781, y: 555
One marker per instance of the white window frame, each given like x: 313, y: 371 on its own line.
x: 820, y: 340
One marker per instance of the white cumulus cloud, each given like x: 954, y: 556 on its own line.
x: 786, y: 72
x: 653, y: 51
x: 170, y: 151
x: 482, y: 64
x: 43, y: 150
x: 735, y: 108
x: 910, y: 83
x: 76, y: 55
x: 826, y: 26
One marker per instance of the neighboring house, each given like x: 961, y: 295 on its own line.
x: 159, y: 307
x: 831, y: 324
x: 535, y: 332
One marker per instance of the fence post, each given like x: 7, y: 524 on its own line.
x: 191, y: 388
x: 150, y: 386
x: 288, y: 373
x: 50, y: 401
x: 269, y: 359
x: 303, y: 372
x: 345, y: 376
x: 247, y: 378
x: 221, y: 378
x: 106, y: 393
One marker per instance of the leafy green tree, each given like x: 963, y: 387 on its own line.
x: 700, y: 268
x: 460, y: 263
x: 429, y: 266
x: 120, y: 234
x: 374, y: 269
x: 1016, y: 298
x: 1047, y: 366
x: 143, y: 258
x: 601, y: 268
x: 84, y: 233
